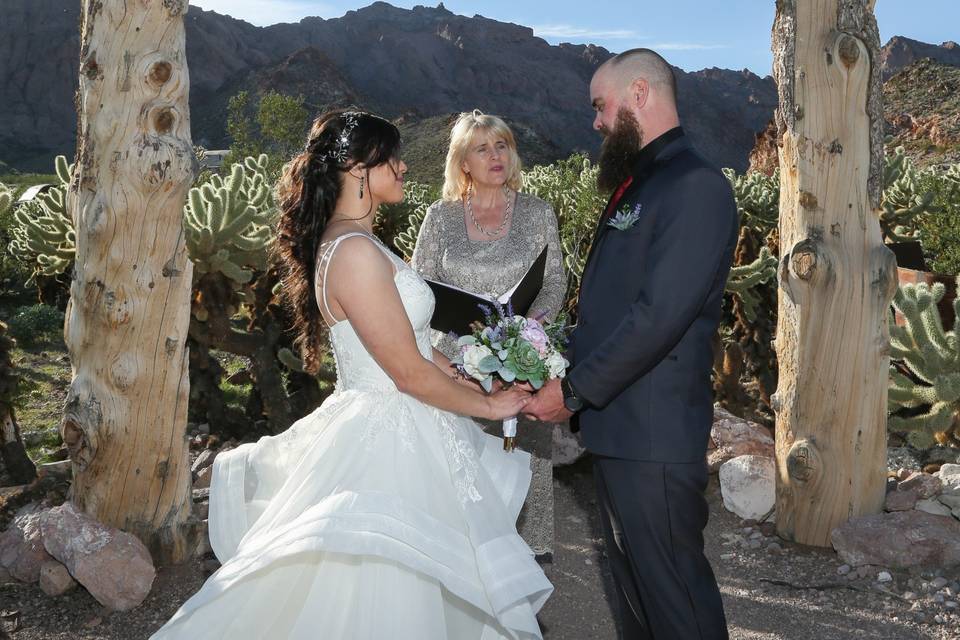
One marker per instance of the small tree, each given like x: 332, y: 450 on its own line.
x: 283, y: 123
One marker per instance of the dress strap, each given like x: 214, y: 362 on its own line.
x: 327, y: 250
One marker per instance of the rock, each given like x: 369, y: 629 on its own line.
x: 62, y: 470
x: 567, y: 447
x: 899, y: 540
x: 747, y: 485
x: 5, y: 576
x: 884, y: 576
x: 203, y: 478
x: 199, y: 495
x: 924, y: 484
x: 934, y: 506
x: 735, y: 437
x: 843, y: 569
x: 204, y: 460
x: 114, y: 566
x: 21, y: 545
x: 55, y: 580
x: 939, y: 583
x: 900, y: 501
x: 910, y: 596
x: 203, y: 540
x: 201, y: 510
x: 953, y: 502
x: 949, y: 475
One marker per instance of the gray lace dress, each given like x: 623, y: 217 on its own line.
x: 444, y: 252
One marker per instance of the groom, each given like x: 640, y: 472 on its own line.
x: 641, y: 355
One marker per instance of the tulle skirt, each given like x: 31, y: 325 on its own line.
x: 376, y: 516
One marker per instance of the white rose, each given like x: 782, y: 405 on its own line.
x: 556, y: 365
x: 471, y: 360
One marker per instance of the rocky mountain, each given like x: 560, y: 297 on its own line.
x: 420, y: 65
x: 902, y: 52
x: 925, y: 122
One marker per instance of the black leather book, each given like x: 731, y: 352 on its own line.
x: 456, y: 309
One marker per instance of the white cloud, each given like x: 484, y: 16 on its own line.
x: 568, y: 31
x: 683, y: 46
x: 266, y: 12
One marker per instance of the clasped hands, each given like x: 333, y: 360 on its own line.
x: 546, y: 405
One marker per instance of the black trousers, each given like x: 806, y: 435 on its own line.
x: 653, y: 516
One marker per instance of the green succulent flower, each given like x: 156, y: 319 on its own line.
x: 525, y: 363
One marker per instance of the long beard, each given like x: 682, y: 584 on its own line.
x: 620, y: 151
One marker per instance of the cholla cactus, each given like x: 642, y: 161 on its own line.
x: 228, y: 221
x: 44, y: 233
x: 417, y: 198
x: 570, y: 186
x: 758, y: 198
x: 932, y: 356
x: 904, y: 201
x: 743, y: 281
x: 6, y: 197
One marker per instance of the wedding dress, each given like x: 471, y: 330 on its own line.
x: 374, y: 517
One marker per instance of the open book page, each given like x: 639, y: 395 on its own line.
x: 457, y: 308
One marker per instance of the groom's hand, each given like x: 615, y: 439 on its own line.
x: 547, y: 404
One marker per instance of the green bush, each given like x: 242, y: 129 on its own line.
x: 37, y: 325
x: 940, y: 228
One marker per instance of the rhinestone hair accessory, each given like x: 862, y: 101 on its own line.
x: 341, y: 146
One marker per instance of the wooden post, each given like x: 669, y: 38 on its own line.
x: 836, y: 277
x: 129, y: 311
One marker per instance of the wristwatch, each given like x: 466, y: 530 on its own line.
x: 571, y: 400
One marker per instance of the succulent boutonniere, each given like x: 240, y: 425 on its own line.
x: 625, y: 218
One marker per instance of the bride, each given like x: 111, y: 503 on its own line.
x: 384, y: 513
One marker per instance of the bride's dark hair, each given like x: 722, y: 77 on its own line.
x: 307, y: 194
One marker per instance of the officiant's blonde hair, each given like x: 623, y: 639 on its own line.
x: 465, y: 131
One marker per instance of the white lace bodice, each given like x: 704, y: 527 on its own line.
x: 356, y: 368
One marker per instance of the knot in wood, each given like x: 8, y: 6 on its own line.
x: 804, y: 262
x: 803, y: 461
x: 163, y: 120
x: 160, y: 72
x: 808, y: 200
x: 849, y: 50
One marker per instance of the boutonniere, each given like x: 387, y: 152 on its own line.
x: 625, y: 218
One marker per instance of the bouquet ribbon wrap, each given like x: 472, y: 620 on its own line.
x: 509, y: 433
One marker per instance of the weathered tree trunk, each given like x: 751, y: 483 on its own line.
x: 836, y: 277
x: 129, y: 312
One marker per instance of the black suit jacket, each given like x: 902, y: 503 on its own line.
x: 649, y: 308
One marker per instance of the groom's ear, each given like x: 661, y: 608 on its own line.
x: 639, y: 92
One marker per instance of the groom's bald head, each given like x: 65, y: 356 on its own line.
x: 625, y: 69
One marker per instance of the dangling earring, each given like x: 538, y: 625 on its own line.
x: 362, y: 180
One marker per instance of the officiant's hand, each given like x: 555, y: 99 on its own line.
x: 506, y: 403
x: 547, y: 404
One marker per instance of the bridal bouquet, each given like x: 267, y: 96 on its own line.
x: 513, y: 349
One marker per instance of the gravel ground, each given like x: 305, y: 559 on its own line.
x: 788, y: 593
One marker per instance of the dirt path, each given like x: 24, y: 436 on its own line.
x: 755, y: 581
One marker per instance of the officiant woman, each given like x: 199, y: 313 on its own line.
x: 482, y: 236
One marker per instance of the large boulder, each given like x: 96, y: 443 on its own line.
x: 733, y: 436
x: 899, y: 540
x: 21, y: 547
x: 114, y: 566
x: 747, y: 484
x: 949, y: 475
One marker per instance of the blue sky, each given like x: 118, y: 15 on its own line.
x: 692, y: 34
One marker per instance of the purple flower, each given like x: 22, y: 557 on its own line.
x: 533, y: 333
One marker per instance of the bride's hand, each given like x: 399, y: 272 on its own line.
x: 506, y: 403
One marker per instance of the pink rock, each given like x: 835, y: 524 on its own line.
x: 55, y: 580
x: 901, y: 500
x: 203, y: 478
x: 114, y: 566
x: 899, y: 540
x: 925, y: 485
x: 204, y: 460
x: 21, y: 546
x: 735, y: 437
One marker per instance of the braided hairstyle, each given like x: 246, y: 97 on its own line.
x: 307, y: 193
